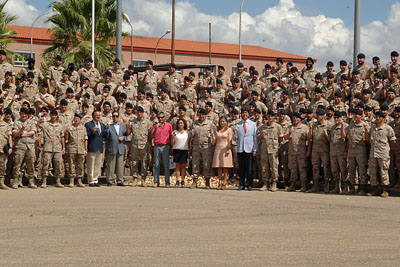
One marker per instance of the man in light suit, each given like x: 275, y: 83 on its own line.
x: 95, y: 131
x: 246, y: 135
x: 115, y: 135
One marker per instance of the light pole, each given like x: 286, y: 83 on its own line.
x: 119, y: 31
x: 129, y: 22
x: 356, y: 31
x: 155, y: 53
x: 33, y: 24
x: 93, y: 25
x: 240, y: 32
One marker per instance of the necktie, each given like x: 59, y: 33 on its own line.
x: 244, y: 127
x: 98, y: 126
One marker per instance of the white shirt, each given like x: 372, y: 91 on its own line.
x: 116, y: 127
x: 181, y: 140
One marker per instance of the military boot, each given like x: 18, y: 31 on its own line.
x: 336, y: 189
x: 292, y: 187
x: 79, y: 183
x: 71, y: 183
x: 207, y: 183
x: 58, y: 183
x: 374, y: 191
x: 14, y: 184
x: 44, y: 182
x: 315, y: 188
x: 142, y: 182
x: 31, y: 183
x: 345, y: 190
x: 273, y: 187
x: 362, y: 192
x: 303, y: 187
x: 2, y: 184
x: 20, y: 182
x: 326, y: 186
x: 264, y: 187
x: 194, y: 184
x: 385, y: 192
x: 352, y: 189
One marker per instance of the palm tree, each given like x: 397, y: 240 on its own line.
x: 72, y: 31
x: 5, y: 33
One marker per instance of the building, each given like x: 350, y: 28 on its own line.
x: 187, y: 52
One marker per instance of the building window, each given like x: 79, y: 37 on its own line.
x: 234, y: 69
x: 25, y: 54
x: 139, y: 63
x: 176, y: 63
x: 212, y: 69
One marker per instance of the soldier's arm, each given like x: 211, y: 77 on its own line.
x: 342, y: 132
x: 63, y: 143
x: 367, y: 136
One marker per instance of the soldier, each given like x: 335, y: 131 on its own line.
x: 54, y: 73
x: 209, y: 81
x: 272, y: 94
x: 395, y: 150
x: 338, y: 105
x: 329, y: 70
x: 343, y: 71
x: 6, y: 149
x: 356, y: 151
x: 64, y: 117
x: 362, y: 67
x: 337, y: 143
x: 76, y: 149
x: 241, y: 74
x: 24, y: 132
x: 357, y: 86
x: 37, y: 73
x: 172, y: 81
x: 43, y: 98
x: 218, y: 94
x: 51, y: 135
x: 367, y: 94
x: 143, y: 102
x: 129, y: 87
x: 308, y: 74
x: 254, y: 99
x: 202, y: 147
x: 5, y: 66
x: 271, y: 134
x: 210, y: 114
x: 283, y: 168
x: 182, y: 114
x: 318, y: 99
x: 226, y: 82
x: 105, y: 97
x: 188, y: 91
x: 139, y: 147
x: 165, y: 105
x: 89, y: 72
x: 73, y: 75
x: 297, y: 136
x: 30, y: 87
x: 381, y: 137
x: 150, y: 79
x: 116, y: 72
x: 318, y: 141
x: 60, y: 87
x: 253, y: 85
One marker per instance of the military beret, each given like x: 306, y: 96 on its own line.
x: 384, y: 107
x: 8, y: 111
x: 71, y: 66
x: 255, y: 72
x: 231, y: 97
x: 150, y: 62
x: 32, y: 111
x: 290, y: 63
x: 208, y: 90
x: 331, y: 108
x: 201, y: 111
x: 3, y: 52
x: 368, y: 108
x: 45, y: 84
x: 394, y: 70
x: 208, y: 103
x: 302, y: 90
x: 219, y: 81
x: 141, y: 91
x: 310, y: 59
x: 221, y: 67
x: 254, y: 92
x: 69, y: 90
x: 65, y: 72
x: 274, y: 80
x: 298, y: 115
x: 184, y: 97
x: 343, y: 63
x: 296, y: 81
x: 140, y: 109
x: 271, y: 112
x: 236, y: 80
x: 394, y: 54
x: 89, y: 59
x: 19, y: 90
x: 337, y: 114
x: 186, y: 79
x: 240, y: 65
x: 182, y: 108
x: 338, y: 94
x: 31, y: 60
x: 267, y: 66
x: 107, y: 87
x: 285, y: 91
x: 87, y: 95
x: 309, y: 111
x: 392, y: 90
x: 279, y: 60
x: 257, y: 110
x: 78, y: 115
x: 129, y: 105
x: 366, y: 91
x: 64, y: 102
x: 321, y: 107
x: 330, y: 76
x: 165, y: 90
x: 375, y: 58
x: 357, y: 111
x: 108, y: 73
x: 116, y: 60
x: 294, y: 69
x: 356, y: 72
x: 53, y: 112
x: 280, y: 105
x: 126, y: 77
x: 235, y: 111
x: 208, y: 68
x: 397, y: 109
x: 252, y: 104
x: 361, y: 55
x: 173, y: 65
x: 361, y: 105
x: 282, y: 112
x: 86, y: 79
x: 320, y: 112
x: 344, y: 77
x: 358, y: 96
x: 380, y: 114
x: 302, y: 110
x: 107, y: 103
x: 123, y: 95
x: 330, y: 63
x: 318, y: 76
x: 192, y: 74
x: 85, y: 105
x: 318, y: 90
x: 58, y: 57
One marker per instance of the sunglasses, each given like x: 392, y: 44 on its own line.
x: 161, y: 117
x: 115, y: 116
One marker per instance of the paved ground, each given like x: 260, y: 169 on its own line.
x: 182, y: 227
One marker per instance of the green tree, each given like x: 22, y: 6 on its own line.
x: 6, y: 34
x: 72, y: 31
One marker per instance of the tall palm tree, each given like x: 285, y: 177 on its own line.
x: 72, y: 31
x: 5, y: 33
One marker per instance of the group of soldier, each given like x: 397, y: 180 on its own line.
x: 336, y: 127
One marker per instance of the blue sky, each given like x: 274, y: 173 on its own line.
x: 371, y: 10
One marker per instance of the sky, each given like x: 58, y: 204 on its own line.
x: 321, y: 29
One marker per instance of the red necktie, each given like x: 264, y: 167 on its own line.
x: 244, y: 127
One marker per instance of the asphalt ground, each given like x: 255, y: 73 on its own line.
x: 116, y: 226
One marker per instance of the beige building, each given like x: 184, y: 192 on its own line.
x: 186, y: 51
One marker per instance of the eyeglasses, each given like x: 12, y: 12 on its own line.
x: 161, y: 117
x: 115, y: 116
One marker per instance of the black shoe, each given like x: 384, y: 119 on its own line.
x: 250, y: 188
x: 92, y: 185
x: 109, y: 184
x: 97, y: 185
x: 120, y: 184
x: 241, y: 188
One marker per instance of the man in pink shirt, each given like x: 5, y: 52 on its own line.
x: 161, y: 134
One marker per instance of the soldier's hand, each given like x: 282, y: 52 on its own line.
x: 366, y: 127
x: 10, y: 151
x: 192, y: 134
x: 23, y: 126
x: 350, y: 66
x: 67, y: 128
x: 310, y: 124
x: 63, y: 151
x: 94, y: 129
x: 308, y: 154
x: 254, y: 154
x: 388, y: 67
x: 121, y: 138
x: 345, y: 155
x: 85, y: 152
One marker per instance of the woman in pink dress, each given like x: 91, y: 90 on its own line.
x: 222, y: 159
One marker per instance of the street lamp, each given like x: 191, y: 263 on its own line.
x: 129, y: 22
x: 155, y: 59
x: 33, y: 24
x: 240, y: 32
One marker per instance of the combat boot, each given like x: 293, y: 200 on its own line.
x: 14, y: 184
x: 292, y: 187
x: 264, y: 187
x: 374, y: 192
x: 44, y: 182
x: 345, y: 190
x: 79, y: 183
x: 142, y: 182
x: 352, y: 189
x: 385, y: 193
x: 273, y: 187
x: 303, y: 187
x: 326, y: 186
x: 315, y: 188
x: 207, y: 183
x: 20, y: 182
x: 362, y: 191
x: 71, y: 183
x: 58, y: 183
x: 194, y: 184
x: 2, y: 184
x: 31, y: 183
x: 336, y: 189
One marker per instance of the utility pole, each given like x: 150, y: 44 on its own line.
x: 357, y: 26
x: 173, y: 34
x: 209, y: 41
x: 119, y: 31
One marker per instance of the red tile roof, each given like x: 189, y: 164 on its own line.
x: 143, y: 43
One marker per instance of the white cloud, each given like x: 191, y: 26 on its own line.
x: 283, y: 27
x: 25, y: 13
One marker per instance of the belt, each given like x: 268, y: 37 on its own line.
x: 160, y: 145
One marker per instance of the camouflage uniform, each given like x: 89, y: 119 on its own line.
x: 297, y: 153
x: 75, y: 149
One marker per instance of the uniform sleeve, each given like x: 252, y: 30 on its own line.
x: 280, y: 131
x: 48, y: 74
x: 391, y: 134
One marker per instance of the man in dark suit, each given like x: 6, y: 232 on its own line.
x: 95, y: 131
x: 115, y: 135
